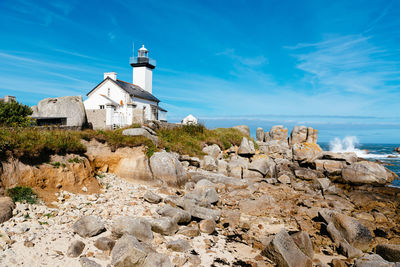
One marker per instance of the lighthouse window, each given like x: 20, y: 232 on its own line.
x: 101, y: 106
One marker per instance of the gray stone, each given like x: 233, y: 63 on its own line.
x: 213, y: 151
x: 222, y: 166
x: 203, y: 194
x: 341, y: 243
x: 306, y: 174
x: 276, y: 149
x: 207, y: 226
x: 264, y: 165
x: 260, y: 134
x: 271, y: 180
x: 193, y: 161
x: 215, y: 178
x: 389, y: 252
x: 141, y: 132
x: 151, y: 131
x: 157, y: 260
x: 251, y: 174
x: 355, y: 233
x: 70, y: 107
x: 75, y: 249
x: 152, y: 197
x: 85, y: 262
x: 284, y: 179
x: 209, y: 163
x: 104, y: 243
x: 279, y: 133
x: 167, y: 167
x: 372, y: 260
x: 164, y: 226
x: 128, y: 252
x: 179, y: 245
x: 282, y: 250
x: 244, y: 129
x: 189, y: 231
x: 348, y: 157
x: 366, y: 172
x: 138, y: 227
x: 88, y: 226
x: 201, y: 212
x: 305, y: 152
x: 298, y: 135
x: 6, y: 208
x: 177, y: 214
x: 246, y: 148
x: 303, y: 242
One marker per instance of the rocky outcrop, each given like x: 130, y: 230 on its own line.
x: 144, y: 131
x: 69, y: 107
x: 366, y: 172
x: 70, y: 172
x: 88, y: 226
x: 303, y: 134
x: 6, y: 208
x: 213, y: 151
x: 166, y: 167
x: 260, y: 135
x: 246, y: 148
x: 277, y: 133
x: 390, y: 252
x: 128, y: 252
x: 129, y: 163
x: 305, y: 152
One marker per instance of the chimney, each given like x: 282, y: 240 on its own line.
x: 112, y: 75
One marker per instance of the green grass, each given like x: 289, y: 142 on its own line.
x: 74, y: 160
x: 190, y: 139
x: 22, y: 194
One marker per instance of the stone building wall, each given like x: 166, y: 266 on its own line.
x: 97, y: 118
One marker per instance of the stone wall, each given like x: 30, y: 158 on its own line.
x: 97, y: 118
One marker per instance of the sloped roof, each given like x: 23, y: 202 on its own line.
x: 136, y: 91
x: 131, y: 89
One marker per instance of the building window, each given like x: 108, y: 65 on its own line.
x: 101, y: 106
x: 108, y: 92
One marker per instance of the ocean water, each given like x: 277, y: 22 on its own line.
x: 374, y: 152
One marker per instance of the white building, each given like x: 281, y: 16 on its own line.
x: 115, y: 103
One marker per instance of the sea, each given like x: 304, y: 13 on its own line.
x: 375, y: 152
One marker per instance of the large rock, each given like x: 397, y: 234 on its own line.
x: 168, y: 168
x: 204, y: 193
x: 276, y: 149
x: 157, y: 259
x: 283, y: 251
x: 128, y: 252
x: 70, y: 107
x: 138, y: 227
x: 179, y: 245
x: 389, y: 252
x: 341, y: 244
x: 244, y: 129
x: 372, y: 260
x: 305, y: 152
x: 75, y: 249
x: 213, y: 151
x: 6, y: 208
x: 88, y: 226
x: 354, y: 232
x: 264, y: 165
x: 347, y: 157
x: 366, y: 172
x: 177, y: 214
x: 302, y: 134
x: 164, y: 226
x: 141, y: 132
x: 246, y: 148
x: 130, y: 163
x: 303, y: 242
x: 209, y: 163
x: 260, y: 135
x: 201, y: 212
x: 278, y: 133
x: 331, y: 168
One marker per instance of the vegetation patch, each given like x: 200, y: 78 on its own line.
x: 190, y: 139
x: 22, y: 194
x: 14, y: 114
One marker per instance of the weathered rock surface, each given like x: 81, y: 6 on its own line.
x: 70, y: 107
x: 141, y: 132
x: 157, y: 259
x: 214, y: 151
x: 6, y: 208
x: 168, y: 168
x: 152, y: 197
x: 305, y: 152
x: 260, y: 134
x: 366, y: 172
x: 104, y: 243
x: 282, y: 250
x: 137, y: 227
x: 177, y: 214
x: 372, y: 260
x: 179, y: 245
x: 85, y: 262
x: 207, y: 226
x: 264, y: 165
x: 88, y: 226
x: 164, y: 226
x: 390, y: 252
x: 303, y: 242
x: 128, y: 252
x: 204, y: 193
x: 209, y: 163
x: 75, y: 249
x: 246, y: 148
x: 302, y: 134
x: 278, y: 133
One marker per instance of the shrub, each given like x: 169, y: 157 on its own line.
x: 14, y: 114
x: 22, y: 194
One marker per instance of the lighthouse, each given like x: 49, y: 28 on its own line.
x: 143, y: 70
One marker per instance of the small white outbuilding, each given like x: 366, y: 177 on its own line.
x: 190, y: 120
x: 114, y: 103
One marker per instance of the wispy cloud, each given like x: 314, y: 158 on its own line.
x: 247, y: 61
x: 349, y: 63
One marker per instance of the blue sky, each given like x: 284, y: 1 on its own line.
x: 333, y: 65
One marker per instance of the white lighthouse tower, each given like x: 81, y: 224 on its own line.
x: 143, y: 69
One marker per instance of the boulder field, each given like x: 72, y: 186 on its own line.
x: 276, y: 201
